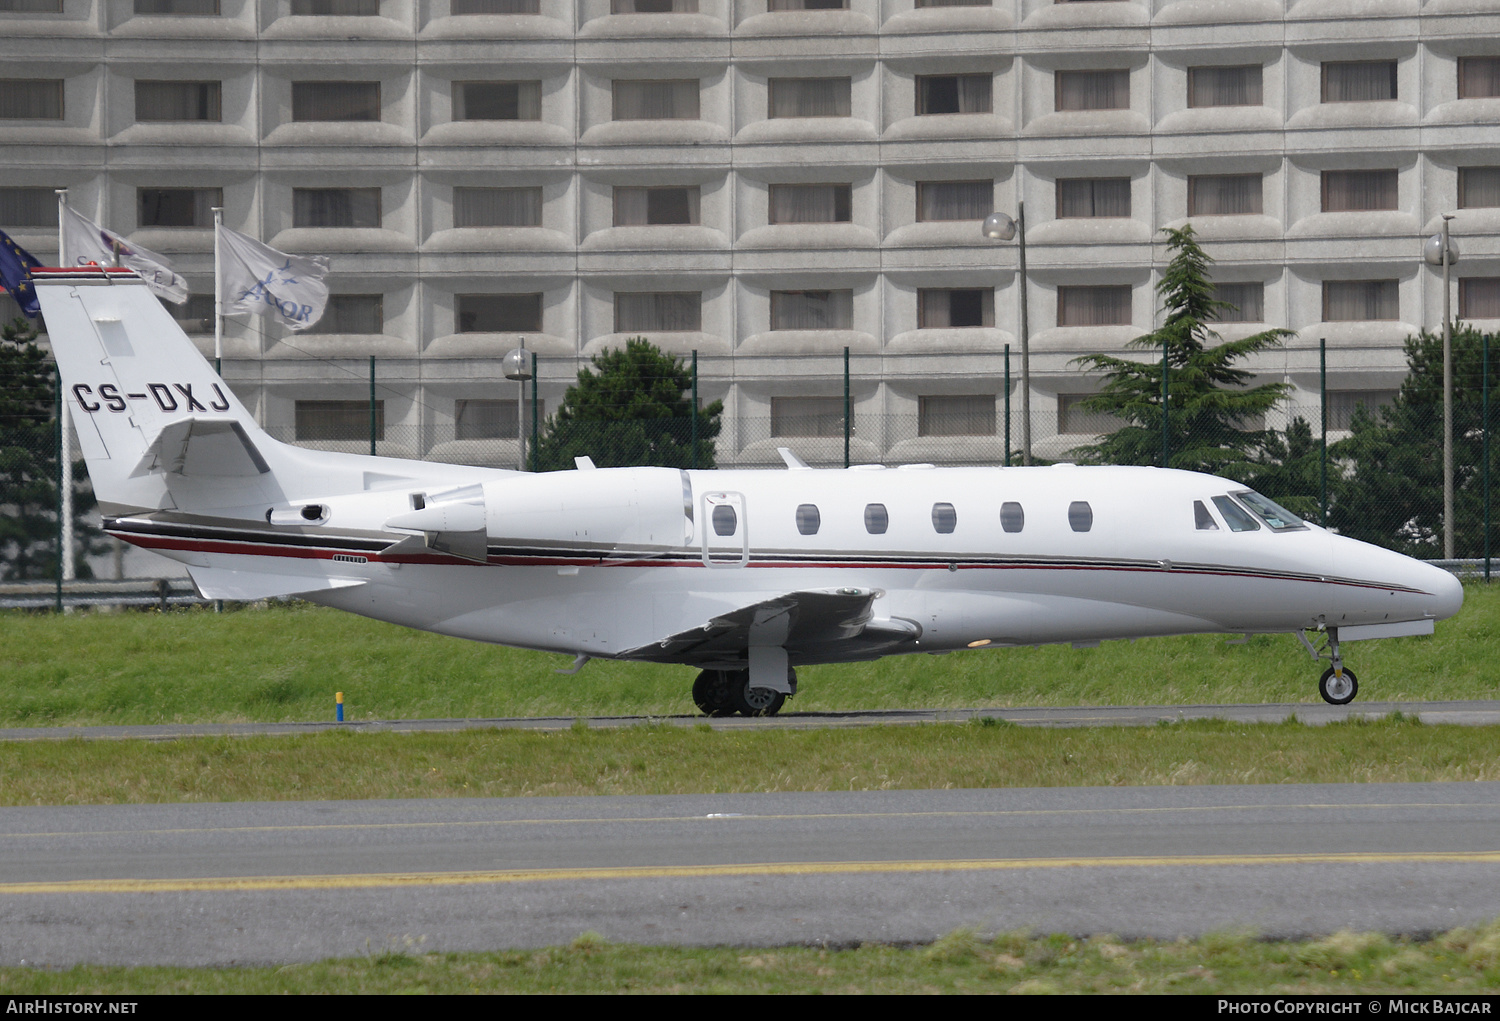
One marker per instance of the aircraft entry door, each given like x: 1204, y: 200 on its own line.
x: 726, y: 532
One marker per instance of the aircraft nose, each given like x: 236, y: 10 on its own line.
x: 1431, y: 591
x: 1447, y: 592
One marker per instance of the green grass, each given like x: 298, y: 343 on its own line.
x: 286, y: 662
x: 678, y: 760
x: 1462, y: 962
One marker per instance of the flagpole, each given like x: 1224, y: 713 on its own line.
x: 218, y: 293
x: 65, y: 432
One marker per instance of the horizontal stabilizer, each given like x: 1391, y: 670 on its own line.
x: 202, y: 447
x: 222, y: 583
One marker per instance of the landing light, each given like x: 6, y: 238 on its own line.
x: 979, y: 644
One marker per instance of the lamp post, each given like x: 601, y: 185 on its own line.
x: 1439, y: 250
x: 517, y: 366
x: 999, y: 227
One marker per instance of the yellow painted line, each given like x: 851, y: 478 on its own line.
x: 372, y: 880
x: 731, y: 816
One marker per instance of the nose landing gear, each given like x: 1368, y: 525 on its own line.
x: 1338, y: 685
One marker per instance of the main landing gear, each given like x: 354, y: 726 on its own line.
x: 726, y: 692
x: 1338, y: 685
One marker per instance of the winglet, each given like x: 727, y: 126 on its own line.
x: 792, y: 460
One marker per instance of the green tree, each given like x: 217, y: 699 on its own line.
x: 632, y: 408
x: 1390, y: 469
x: 28, y: 463
x: 1211, y: 408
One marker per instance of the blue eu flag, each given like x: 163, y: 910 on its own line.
x: 15, y: 274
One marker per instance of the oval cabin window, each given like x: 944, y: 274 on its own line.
x: 1080, y: 516
x: 808, y: 519
x: 1012, y: 517
x: 944, y: 518
x: 725, y: 520
x: 876, y: 519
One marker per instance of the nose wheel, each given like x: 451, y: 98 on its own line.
x: 1338, y: 687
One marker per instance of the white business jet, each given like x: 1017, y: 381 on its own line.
x: 743, y: 574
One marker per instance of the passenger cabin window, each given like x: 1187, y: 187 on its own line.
x: 1238, y: 518
x: 944, y: 518
x: 1080, y: 516
x: 1272, y: 513
x: 808, y: 519
x: 876, y: 519
x: 725, y: 520
x: 1203, y: 519
x: 1012, y: 517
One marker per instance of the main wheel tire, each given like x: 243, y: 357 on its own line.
x: 1338, y: 690
x: 713, y: 693
x: 752, y: 701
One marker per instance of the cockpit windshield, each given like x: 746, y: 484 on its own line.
x: 1237, y: 517
x: 1272, y: 513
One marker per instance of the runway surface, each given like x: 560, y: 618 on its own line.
x: 297, y: 881
x: 1468, y: 713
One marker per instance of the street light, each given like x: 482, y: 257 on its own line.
x: 1439, y: 250
x: 517, y: 366
x: 999, y: 227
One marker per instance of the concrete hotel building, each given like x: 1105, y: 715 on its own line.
x: 768, y: 182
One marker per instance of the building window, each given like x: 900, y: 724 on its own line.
x: 1093, y: 197
x: 196, y: 315
x: 497, y: 207
x: 460, y: 8
x: 497, y: 101
x: 177, y: 207
x: 335, y: 207
x: 1347, y: 191
x: 1225, y: 86
x: 336, y: 8
x: 1248, y: 299
x: 178, y: 7
x: 498, y: 313
x: 1342, y: 405
x: 1479, y: 298
x: 954, y: 3
x: 338, y: 420
x: 490, y: 419
x: 955, y: 200
x: 1359, y: 81
x: 944, y: 309
x: 954, y: 93
x: 807, y: 416
x: 1478, y: 77
x: 640, y: 207
x: 1352, y: 301
x: 31, y: 6
x: 1092, y: 90
x: 31, y: 99
x: 28, y: 207
x: 1225, y: 195
x: 1098, y: 305
x: 658, y: 312
x: 177, y: 101
x: 1478, y: 187
x: 812, y: 310
x: 956, y: 415
x: 810, y: 203
x: 675, y: 100
x: 1074, y: 419
x: 807, y: 5
x: 809, y: 97
x: 335, y: 101
x: 351, y: 313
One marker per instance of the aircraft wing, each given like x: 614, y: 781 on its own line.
x: 836, y: 623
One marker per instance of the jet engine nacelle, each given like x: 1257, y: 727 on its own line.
x: 605, y: 509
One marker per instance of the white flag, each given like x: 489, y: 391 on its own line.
x: 87, y: 242
x: 257, y: 278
